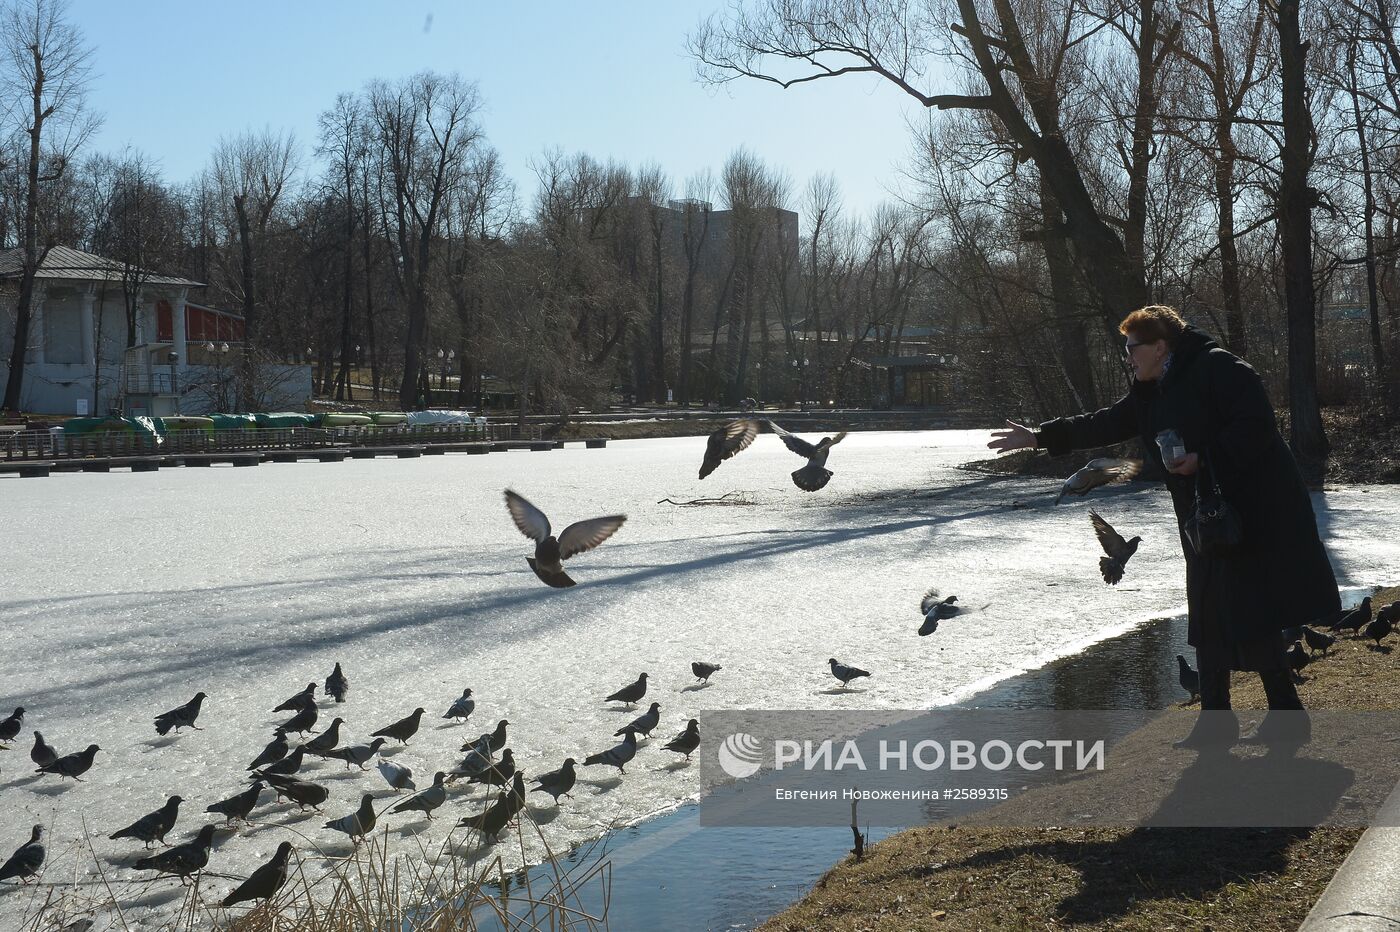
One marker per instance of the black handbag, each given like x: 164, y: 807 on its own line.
x: 1213, y: 527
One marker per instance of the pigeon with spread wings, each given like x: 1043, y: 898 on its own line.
x: 1105, y: 470
x: 814, y: 475
x: 1118, y: 550
x: 730, y: 439
x: 551, y: 551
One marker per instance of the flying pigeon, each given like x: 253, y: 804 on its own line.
x: 631, y: 693
x: 180, y: 717
x: 326, y: 741
x: 844, y: 673
x: 557, y: 782
x: 26, y: 860
x: 303, y: 721
x: 1356, y: 619
x: 935, y: 608
x: 730, y: 439
x: 643, y: 724
x: 9, y: 727
x: 1189, y: 679
x: 181, y: 860
x: 1379, y: 629
x: 1118, y: 550
x: 703, y: 671
x: 618, y: 755
x: 550, y: 551
x: 497, y: 774
x: 276, y: 750
x: 307, y: 697
x: 359, y: 823
x: 397, y: 775
x: 152, y: 826
x: 401, y: 730
x: 299, y: 791
x: 687, y: 741
x: 337, y: 686
x: 1317, y: 640
x: 41, y: 754
x: 286, y: 767
x: 236, y: 808
x: 72, y: 765
x: 814, y: 475
x: 265, y: 881
x: 461, y: 708
x: 426, y: 801
x: 1106, y: 470
x: 357, y: 754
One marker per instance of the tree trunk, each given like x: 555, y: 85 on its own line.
x: 1069, y: 329
x: 14, y: 384
x: 250, y: 303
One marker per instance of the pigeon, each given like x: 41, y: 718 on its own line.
x: 41, y: 754
x: 517, y: 793
x: 1317, y: 640
x: 1106, y: 470
x: 814, y: 475
x: 303, y: 699
x: 935, y: 609
x: 326, y: 741
x: 491, y: 822
x: 299, y: 791
x: 631, y: 693
x: 497, y: 774
x: 490, y: 742
x: 618, y: 755
x: 1189, y: 679
x: 359, y: 823
x: 550, y: 551
x: 152, y: 826
x: 687, y: 741
x: 478, y: 759
x: 1297, y: 659
x: 337, y: 686
x: 72, y: 765
x: 643, y: 724
x: 181, y: 860
x: 286, y: 767
x: 26, y: 860
x: 703, y: 671
x: 557, y: 782
x: 10, y: 727
x: 264, y: 882
x: 1118, y: 550
x: 730, y: 439
x: 401, y: 730
x: 236, y: 808
x: 1356, y: 619
x: 461, y: 708
x: 303, y: 721
x: 426, y: 801
x: 397, y: 775
x: 1390, y: 613
x: 276, y: 750
x: 357, y: 754
x: 1292, y: 634
x: 1379, y: 629
x: 181, y: 717
x: 844, y: 673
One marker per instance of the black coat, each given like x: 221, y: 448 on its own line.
x: 1280, y: 576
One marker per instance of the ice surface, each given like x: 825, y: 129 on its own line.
x: 124, y: 594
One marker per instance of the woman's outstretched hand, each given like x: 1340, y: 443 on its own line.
x: 1186, y: 466
x: 1012, y: 437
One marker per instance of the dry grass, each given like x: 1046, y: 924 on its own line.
x: 1130, y: 880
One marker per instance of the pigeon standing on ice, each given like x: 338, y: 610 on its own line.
x: 10, y: 726
x: 397, y: 776
x: 303, y: 721
x: 41, y: 754
x: 1106, y: 470
x: 337, y: 686
x: 286, y: 767
x: 493, y: 820
x: 462, y: 707
x: 1356, y: 619
x: 72, y: 765
x: 687, y: 741
x: 301, y: 792
x: 401, y: 730
x: 26, y: 860
x: 1317, y: 640
x: 499, y: 773
x: 1118, y: 550
x: 631, y: 693
x: 359, y: 823
x: 557, y: 782
x: 550, y: 552
x: 703, y: 671
x: 616, y: 756
x: 814, y: 475
x: 181, y: 860
x: 1189, y: 679
x: 265, y: 881
x: 426, y: 801
x: 491, y: 742
x: 236, y: 808
x: 180, y: 717
x: 326, y: 741
x: 730, y: 439
x: 643, y: 724
x: 357, y: 754
x: 152, y: 826
x: 845, y: 673
x: 307, y: 697
x: 276, y: 750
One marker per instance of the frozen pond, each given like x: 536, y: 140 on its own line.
x: 126, y: 593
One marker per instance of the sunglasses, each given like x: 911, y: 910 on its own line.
x: 1129, y: 347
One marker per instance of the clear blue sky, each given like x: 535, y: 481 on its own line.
x: 609, y: 78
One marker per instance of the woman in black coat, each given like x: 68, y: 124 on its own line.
x: 1279, y: 576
